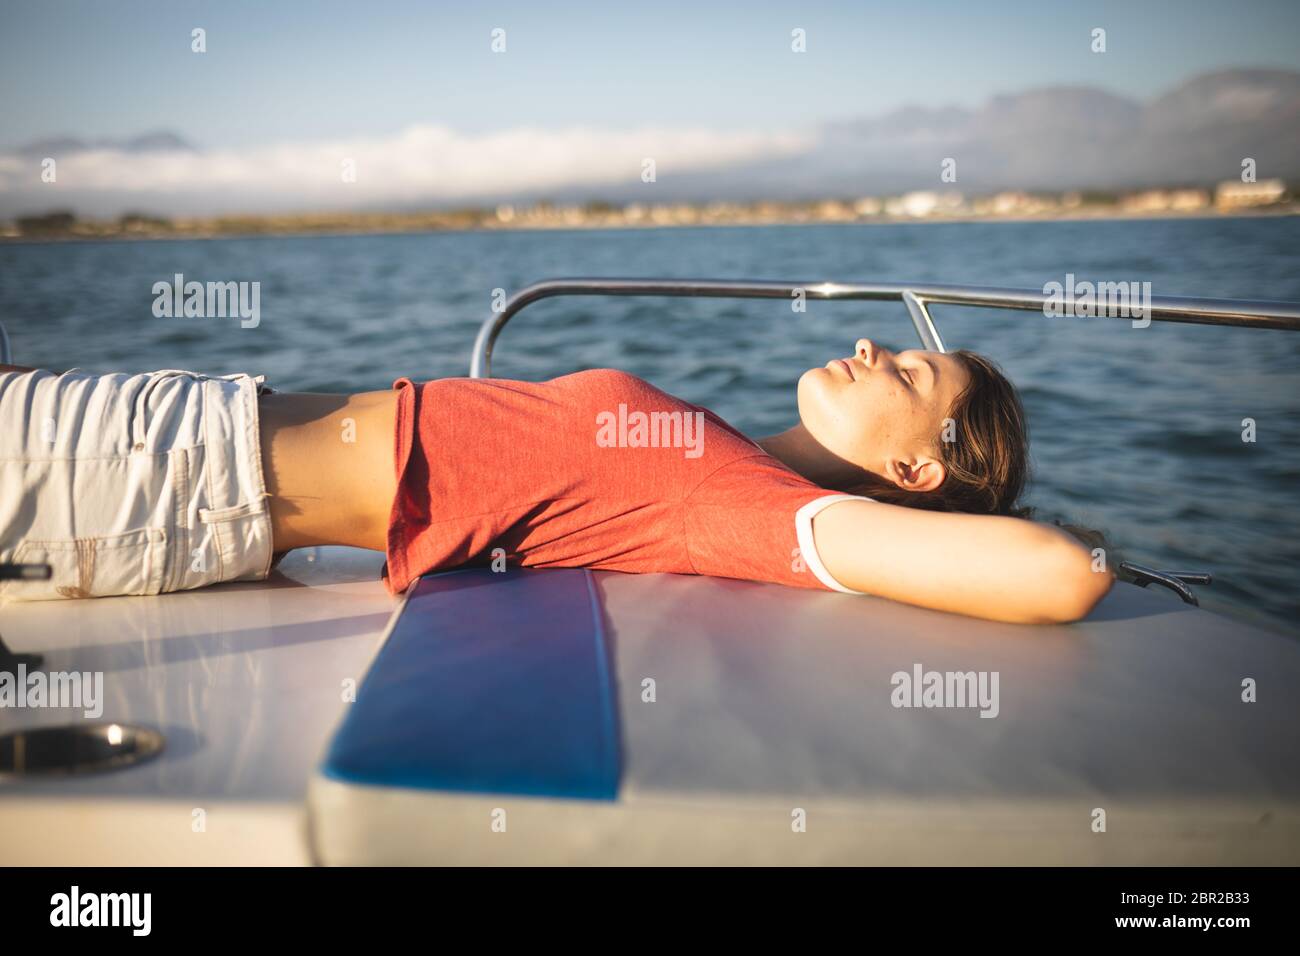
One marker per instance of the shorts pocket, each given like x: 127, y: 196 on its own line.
x: 133, y: 562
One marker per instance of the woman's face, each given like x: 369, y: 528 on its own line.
x: 880, y: 410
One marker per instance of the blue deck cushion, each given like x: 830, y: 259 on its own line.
x: 489, y: 683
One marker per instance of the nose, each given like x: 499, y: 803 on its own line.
x: 868, y: 351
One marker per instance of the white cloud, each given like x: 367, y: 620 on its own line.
x: 420, y: 164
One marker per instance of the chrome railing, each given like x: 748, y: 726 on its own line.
x: 917, y: 298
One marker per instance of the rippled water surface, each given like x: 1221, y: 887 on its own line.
x: 1135, y: 431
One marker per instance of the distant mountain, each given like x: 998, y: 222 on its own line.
x: 1052, y: 139
x: 160, y: 141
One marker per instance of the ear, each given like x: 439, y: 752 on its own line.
x: 919, y: 474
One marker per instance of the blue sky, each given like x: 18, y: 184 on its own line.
x: 292, y: 71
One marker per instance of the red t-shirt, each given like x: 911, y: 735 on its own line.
x: 597, y: 469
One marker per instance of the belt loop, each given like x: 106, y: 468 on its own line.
x: 140, y: 420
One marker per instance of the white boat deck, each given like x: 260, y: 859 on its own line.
x: 245, y: 681
x: 769, y: 698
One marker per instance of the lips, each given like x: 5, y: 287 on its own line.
x: 848, y: 369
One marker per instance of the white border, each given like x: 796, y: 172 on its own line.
x: 803, y: 519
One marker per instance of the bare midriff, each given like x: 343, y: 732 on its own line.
x: 328, y: 464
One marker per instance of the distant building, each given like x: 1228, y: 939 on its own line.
x: 1165, y: 200
x: 1189, y: 200
x: 1236, y: 195
x: 1013, y: 203
x: 868, y: 206
x: 922, y: 203
x: 677, y: 214
x: 832, y: 210
x: 916, y: 205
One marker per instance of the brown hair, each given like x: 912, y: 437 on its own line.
x: 987, y: 458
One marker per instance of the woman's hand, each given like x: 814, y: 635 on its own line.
x: 1003, y: 569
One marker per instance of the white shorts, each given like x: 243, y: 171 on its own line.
x: 131, y: 484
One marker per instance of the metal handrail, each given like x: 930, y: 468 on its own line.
x: 1175, y: 581
x: 1242, y: 313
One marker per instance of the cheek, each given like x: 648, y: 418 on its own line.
x: 812, y: 398
x: 821, y: 397
x: 834, y: 414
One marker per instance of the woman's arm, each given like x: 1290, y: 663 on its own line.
x: 1003, y: 569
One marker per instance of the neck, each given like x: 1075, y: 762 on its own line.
x: 803, y: 454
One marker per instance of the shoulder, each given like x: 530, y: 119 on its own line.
x: 610, y: 380
x: 611, y: 387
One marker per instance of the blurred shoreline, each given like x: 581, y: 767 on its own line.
x: 1230, y: 198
